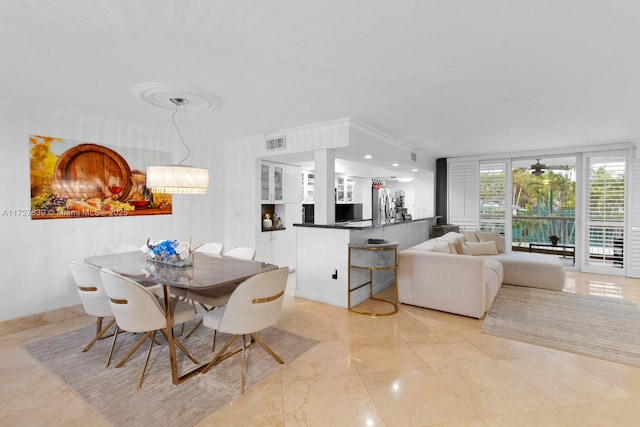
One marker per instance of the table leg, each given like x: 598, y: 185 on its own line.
x: 170, y: 338
x: 176, y: 378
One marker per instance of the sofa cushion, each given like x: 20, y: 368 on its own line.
x: 487, y: 236
x: 451, y: 236
x: 493, y: 276
x: 470, y: 236
x: 531, y: 269
x: 495, y: 266
x: 442, y: 247
x: 483, y: 248
x: 425, y: 246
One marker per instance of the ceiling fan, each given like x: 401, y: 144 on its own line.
x: 537, y: 169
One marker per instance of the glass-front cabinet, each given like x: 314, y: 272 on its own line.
x: 308, y: 186
x: 344, y: 189
x: 271, y: 182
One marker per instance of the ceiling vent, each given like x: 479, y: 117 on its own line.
x: 276, y: 143
x: 414, y: 157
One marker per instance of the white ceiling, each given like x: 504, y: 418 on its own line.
x: 450, y: 78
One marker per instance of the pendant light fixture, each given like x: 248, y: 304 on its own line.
x: 178, y: 179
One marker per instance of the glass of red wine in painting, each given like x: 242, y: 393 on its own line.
x: 115, y: 186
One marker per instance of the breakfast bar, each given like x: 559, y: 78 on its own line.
x: 322, y: 264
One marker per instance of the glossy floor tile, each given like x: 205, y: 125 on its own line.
x: 415, y: 368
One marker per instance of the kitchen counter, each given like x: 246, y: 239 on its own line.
x: 322, y: 263
x: 363, y: 225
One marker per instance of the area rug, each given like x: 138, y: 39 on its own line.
x: 113, y: 392
x: 602, y: 327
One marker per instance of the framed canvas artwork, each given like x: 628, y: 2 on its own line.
x: 72, y: 179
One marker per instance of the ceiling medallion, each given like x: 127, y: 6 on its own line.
x: 160, y: 95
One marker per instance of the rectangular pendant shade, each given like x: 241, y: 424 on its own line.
x: 177, y: 179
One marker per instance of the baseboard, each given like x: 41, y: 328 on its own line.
x: 40, y: 319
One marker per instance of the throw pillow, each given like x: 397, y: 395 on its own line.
x: 456, y: 247
x: 470, y: 236
x: 486, y: 236
x: 483, y: 248
x: 466, y: 249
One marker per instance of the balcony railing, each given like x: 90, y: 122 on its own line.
x: 538, y: 229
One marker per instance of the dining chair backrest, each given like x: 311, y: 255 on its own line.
x: 116, y: 249
x: 134, y: 307
x: 92, y: 294
x: 211, y: 248
x: 256, y: 303
x: 242, y: 253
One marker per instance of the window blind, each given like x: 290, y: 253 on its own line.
x: 605, y: 211
x: 464, y: 196
x: 493, y: 196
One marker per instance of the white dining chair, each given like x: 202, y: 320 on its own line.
x: 219, y: 296
x: 210, y: 248
x: 155, y: 289
x: 242, y: 253
x: 253, y: 306
x: 138, y: 310
x: 94, y: 298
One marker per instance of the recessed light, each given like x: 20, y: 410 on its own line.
x: 414, y: 170
x: 395, y: 165
x: 368, y: 156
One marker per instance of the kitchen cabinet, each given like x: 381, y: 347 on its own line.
x: 280, y: 183
x: 292, y: 184
x: 271, y: 182
x: 344, y: 189
x: 308, y: 186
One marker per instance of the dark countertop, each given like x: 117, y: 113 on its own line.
x: 361, y: 225
x: 264, y: 230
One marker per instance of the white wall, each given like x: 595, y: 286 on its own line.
x: 34, y: 254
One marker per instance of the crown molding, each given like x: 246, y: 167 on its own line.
x: 548, y: 152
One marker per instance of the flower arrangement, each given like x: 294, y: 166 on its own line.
x: 169, y: 252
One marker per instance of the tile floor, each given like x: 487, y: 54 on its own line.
x: 416, y: 368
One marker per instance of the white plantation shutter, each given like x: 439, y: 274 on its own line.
x: 605, y: 182
x: 632, y: 258
x: 464, y: 194
x: 493, y: 197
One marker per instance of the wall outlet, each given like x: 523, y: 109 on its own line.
x: 334, y: 276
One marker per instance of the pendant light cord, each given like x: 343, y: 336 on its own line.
x: 178, y: 102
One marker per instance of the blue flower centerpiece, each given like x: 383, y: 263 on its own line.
x: 170, y: 252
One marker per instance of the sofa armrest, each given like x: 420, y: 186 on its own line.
x: 446, y: 282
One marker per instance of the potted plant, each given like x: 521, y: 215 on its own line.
x: 554, y: 240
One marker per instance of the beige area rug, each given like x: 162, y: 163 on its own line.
x: 112, y: 392
x: 602, y: 327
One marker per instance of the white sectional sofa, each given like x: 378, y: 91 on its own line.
x: 461, y: 273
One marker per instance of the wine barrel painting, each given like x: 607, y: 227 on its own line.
x: 91, y: 170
